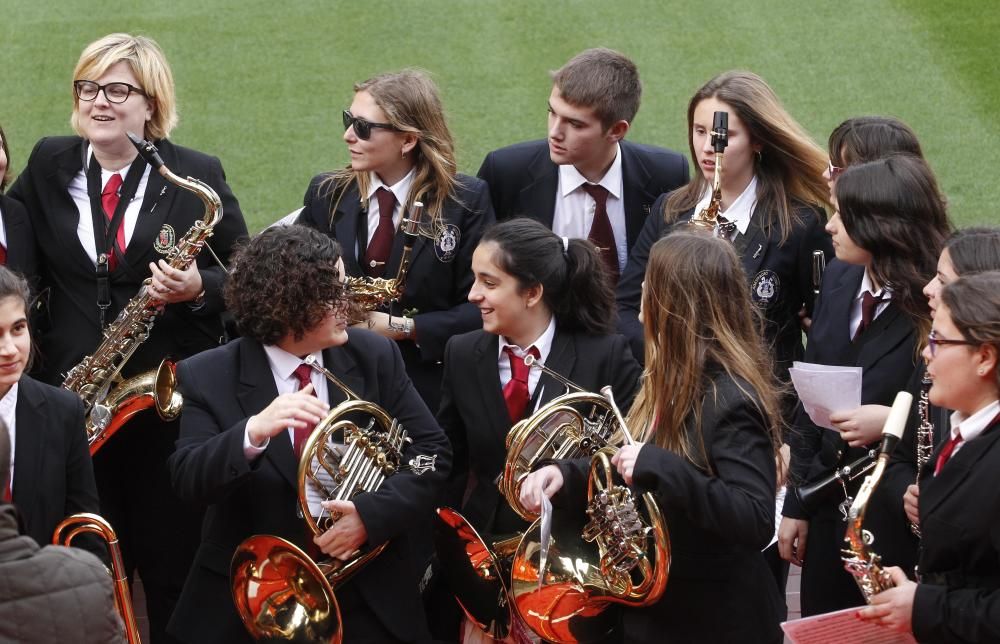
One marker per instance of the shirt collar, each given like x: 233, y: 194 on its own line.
x: 740, y: 211
x: 9, y: 401
x: 570, y: 178
x: 975, y: 424
x: 401, y: 188
x: 284, y: 364
x: 868, y: 286
x: 543, y: 343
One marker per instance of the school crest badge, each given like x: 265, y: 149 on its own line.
x: 764, y: 288
x: 165, y: 240
x: 446, y: 242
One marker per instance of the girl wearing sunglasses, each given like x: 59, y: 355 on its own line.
x: 958, y: 596
x: 401, y: 152
x: 887, y: 232
x: 867, y: 138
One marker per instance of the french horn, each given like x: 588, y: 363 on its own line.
x: 280, y: 591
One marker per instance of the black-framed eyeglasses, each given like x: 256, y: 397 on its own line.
x: 115, y: 92
x: 833, y: 170
x: 934, y: 341
x: 363, y: 127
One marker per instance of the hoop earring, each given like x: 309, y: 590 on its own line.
x: 760, y: 156
x: 402, y: 155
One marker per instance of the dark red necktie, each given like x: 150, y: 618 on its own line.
x: 380, y: 246
x: 3, y: 255
x: 7, y: 496
x: 946, y: 452
x: 515, y: 392
x: 302, y: 373
x: 109, y: 201
x: 868, y: 305
x: 600, y: 231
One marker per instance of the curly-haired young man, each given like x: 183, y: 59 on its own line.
x: 236, y: 453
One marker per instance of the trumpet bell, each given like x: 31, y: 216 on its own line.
x: 573, y: 425
x: 281, y: 594
x: 475, y: 572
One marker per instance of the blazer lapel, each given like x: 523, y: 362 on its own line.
x: 67, y: 164
x: 935, y: 489
x: 487, y: 382
x: 839, y: 305
x: 157, y: 203
x: 255, y: 392
x: 561, y: 359
x: 342, y: 365
x: 752, y: 247
x: 30, y: 416
x: 397, y: 249
x: 348, y: 217
x: 637, y: 194
x: 538, y: 198
x: 882, y: 335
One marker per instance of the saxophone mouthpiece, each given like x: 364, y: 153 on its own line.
x: 147, y: 151
x: 892, y: 431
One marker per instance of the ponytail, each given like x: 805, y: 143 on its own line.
x: 575, y: 284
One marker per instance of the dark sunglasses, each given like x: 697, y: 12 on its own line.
x: 362, y: 127
x: 934, y: 341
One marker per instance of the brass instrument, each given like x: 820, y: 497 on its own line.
x: 925, y: 435
x: 279, y: 591
x: 708, y: 218
x: 84, y: 522
x: 372, y: 292
x: 863, y: 564
x: 110, y: 402
x: 570, y: 426
x: 623, y: 558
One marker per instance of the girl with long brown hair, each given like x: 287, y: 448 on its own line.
x: 707, y: 418
x: 402, y: 152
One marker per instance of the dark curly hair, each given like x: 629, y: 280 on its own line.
x: 284, y: 281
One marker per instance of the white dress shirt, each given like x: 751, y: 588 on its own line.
x: 401, y: 189
x: 78, y: 191
x: 574, y: 213
x: 283, y: 366
x: 971, y: 427
x: 740, y: 211
x: 544, y: 346
x: 867, y: 287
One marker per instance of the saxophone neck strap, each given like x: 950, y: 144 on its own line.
x: 104, y: 230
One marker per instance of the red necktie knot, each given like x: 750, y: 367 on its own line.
x: 515, y: 392
x: 601, y: 232
x: 946, y: 452
x: 302, y: 373
x: 869, y: 304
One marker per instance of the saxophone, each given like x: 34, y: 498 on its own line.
x: 925, y: 436
x: 709, y: 215
x: 372, y: 292
x: 863, y: 564
x: 108, y: 401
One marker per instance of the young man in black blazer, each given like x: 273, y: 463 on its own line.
x: 243, y: 405
x: 594, y: 99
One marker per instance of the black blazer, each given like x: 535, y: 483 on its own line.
x: 475, y: 418
x: 21, y: 253
x: 958, y: 598
x: 53, y: 474
x: 70, y: 329
x: 223, y: 388
x: 437, y: 290
x: 780, y: 277
x: 719, y: 518
x: 523, y: 181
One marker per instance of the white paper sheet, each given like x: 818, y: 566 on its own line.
x: 840, y: 627
x: 824, y: 389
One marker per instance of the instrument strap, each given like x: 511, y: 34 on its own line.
x: 105, y: 231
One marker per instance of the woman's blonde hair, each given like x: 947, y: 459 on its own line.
x: 698, y: 319
x: 147, y: 62
x: 410, y: 101
x: 788, y: 167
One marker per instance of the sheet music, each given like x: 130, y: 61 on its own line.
x: 824, y: 389
x: 839, y: 627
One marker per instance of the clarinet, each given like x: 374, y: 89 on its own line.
x: 925, y: 436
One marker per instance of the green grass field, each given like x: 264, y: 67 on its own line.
x: 261, y: 84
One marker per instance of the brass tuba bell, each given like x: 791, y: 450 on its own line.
x: 279, y: 591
